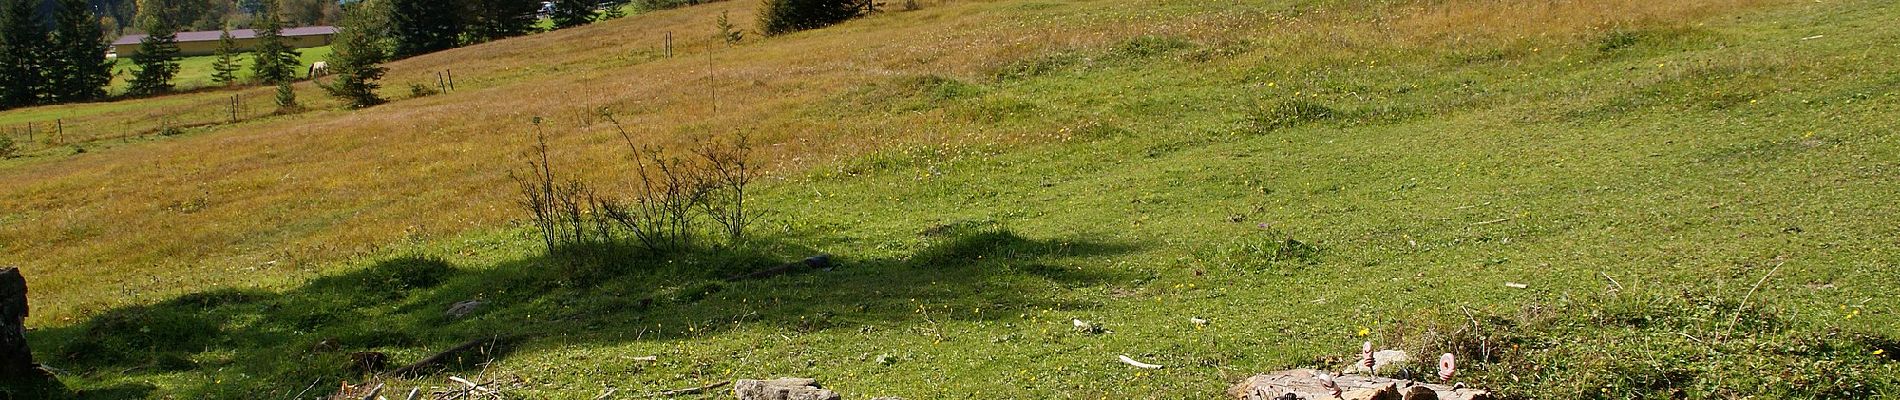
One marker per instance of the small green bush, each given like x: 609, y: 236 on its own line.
x: 8, y: 148
x: 786, y: 16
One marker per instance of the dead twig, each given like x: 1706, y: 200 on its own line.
x: 452, y: 351
x: 687, y: 391
x: 1745, y: 298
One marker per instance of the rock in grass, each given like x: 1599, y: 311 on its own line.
x: 1382, y: 361
x: 781, y: 389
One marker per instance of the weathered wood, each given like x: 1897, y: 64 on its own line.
x: 687, y: 391
x: 438, y: 358
x: 781, y: 389
x: 1306, y: 384
x: 16, y: 359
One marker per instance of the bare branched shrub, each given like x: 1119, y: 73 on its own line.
x: 727, y: 174
x: 567, y: 213
x: 664, y: 208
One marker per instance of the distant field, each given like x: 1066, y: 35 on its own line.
x: 195, y: 72
x: 1688, y: 199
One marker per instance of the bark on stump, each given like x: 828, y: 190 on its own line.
x: 1304, y: 384
x: 781, y: 389
x: 16, y: 359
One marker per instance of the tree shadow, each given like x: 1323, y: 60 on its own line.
x: 270, y: 344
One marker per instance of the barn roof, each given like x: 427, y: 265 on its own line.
x: 212, y: 36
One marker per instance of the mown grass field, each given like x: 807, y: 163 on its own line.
x: 195, y: 72
x: 1699, y: 196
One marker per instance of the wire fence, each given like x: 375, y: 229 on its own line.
x: 156, y: 119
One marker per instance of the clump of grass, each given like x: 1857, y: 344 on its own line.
x: 417, y: 90
x: 1146, y: 46
x: 1642, y: 344
x: 1266, y: 248
x: 1288, y: 114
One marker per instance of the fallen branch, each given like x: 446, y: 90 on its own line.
x: 438, y: 358
x: 687, y: 391
x: 1138, y: 364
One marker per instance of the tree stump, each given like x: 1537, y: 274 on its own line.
x: 781, y: 389
x: 16, y: 359
x: 1304, y: 384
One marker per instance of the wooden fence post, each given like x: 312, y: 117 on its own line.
x: 669, y: 44
x: 451, y: 75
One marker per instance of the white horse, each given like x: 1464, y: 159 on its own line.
x: 317, y: 69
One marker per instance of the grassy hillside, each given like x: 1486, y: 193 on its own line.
x: 1698, y: 195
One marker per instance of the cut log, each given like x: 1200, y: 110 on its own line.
x: 16, y: 359
x: 438, y: 358
x: 1305, y: 384
x: 781, y: 389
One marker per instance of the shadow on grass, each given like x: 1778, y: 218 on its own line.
x: 231, y: 343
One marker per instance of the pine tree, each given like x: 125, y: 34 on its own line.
x: 572, y: 13
x: 224, y: 69
x: 613, y: 9
x: 489, y: 20
x: 424, y: 26
x: 777, y: 17
x: 23, y: 45
x: 273, y: 61
x: 357, y: 63
x: 157, y: 58
x: 78, y: 69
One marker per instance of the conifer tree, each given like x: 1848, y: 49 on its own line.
x: 487, y: 20
x: 357, y: 62
x: 224, y: 69
x: 78, y: 69
x: 424, y: 26
x: 157, y: 58
x: 572, y: 13
x: 23, y: 44
x: 273, y: 61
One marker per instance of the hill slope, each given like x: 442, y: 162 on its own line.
x: 1304, y: 174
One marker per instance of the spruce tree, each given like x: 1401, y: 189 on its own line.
x: 778, y: 17
x: 488, y: 20
x: 224, y: 69
x: 157, y: 58
x: 273, y: 61
x: 23, y: 45
x: 79, y: 70
x: 572, y: 13
x: 357, y: 63
x: 424, y: 26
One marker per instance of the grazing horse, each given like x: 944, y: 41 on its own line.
x: 317, y: 69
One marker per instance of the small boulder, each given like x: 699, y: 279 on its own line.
x: 781, y: 389
x: 1382, y: 361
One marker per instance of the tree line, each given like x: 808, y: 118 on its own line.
x: 63, y: 63
x: 416, y: 27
